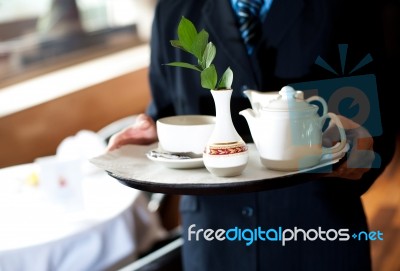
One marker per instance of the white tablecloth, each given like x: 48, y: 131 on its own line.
x: 113, y: 225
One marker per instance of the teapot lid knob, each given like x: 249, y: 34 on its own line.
x: 287, y: 90
x: 289, y: 99
x: 290, y: 92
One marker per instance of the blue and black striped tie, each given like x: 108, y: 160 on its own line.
x: 248, y: 12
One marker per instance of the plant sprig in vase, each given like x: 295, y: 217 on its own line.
x: 225, y: 154
x: 197, y: 44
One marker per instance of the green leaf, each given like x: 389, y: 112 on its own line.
x: 186, y: 33
x: 199, y: 44
x: 209, y: 55
x: 209, y: 77
x: 226, y: 79
x: 177, y: 44
x: 184, y: 65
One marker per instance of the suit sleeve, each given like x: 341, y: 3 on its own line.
x: 161, y: 104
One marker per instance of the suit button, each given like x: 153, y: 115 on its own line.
x: 243, y: 88
x: 247, y: 211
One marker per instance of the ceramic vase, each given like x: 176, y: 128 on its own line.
x: 226, y: 154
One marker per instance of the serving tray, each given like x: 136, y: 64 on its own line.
x: 131, y: 166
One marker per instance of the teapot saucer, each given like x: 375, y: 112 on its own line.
x: 338, y: 155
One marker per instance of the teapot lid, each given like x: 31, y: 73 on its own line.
x: 289, y: 99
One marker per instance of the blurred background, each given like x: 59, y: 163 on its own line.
x: 68, y: 66
x: 72, y: 73
x: 82, y: 63
x: 39, y: 36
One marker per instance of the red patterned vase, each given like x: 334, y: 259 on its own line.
x: 226, y: 154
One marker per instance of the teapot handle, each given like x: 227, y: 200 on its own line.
x: 339, y: 125
x: 322, y: 101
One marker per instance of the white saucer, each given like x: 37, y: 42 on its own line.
x: 177, y: 163
x: 329, y: 157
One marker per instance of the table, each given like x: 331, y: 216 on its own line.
x: 114, y: 224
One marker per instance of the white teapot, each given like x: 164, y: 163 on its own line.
x: 287, y: 130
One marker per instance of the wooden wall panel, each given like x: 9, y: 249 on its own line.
x: 37, y: 131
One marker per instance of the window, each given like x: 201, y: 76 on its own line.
x: 44, y: 35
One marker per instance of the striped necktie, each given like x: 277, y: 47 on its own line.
x: 248, y: 13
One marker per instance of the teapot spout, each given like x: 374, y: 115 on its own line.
x: 248, y: 92
x: 259, y: 99
x: 252, y: 95
x: 250, y: 116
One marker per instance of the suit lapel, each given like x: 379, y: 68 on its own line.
x: 221, y: 24
x: 280, y: 18
x: 220, y: 21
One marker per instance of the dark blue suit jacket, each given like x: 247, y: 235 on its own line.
x: 295, y: 33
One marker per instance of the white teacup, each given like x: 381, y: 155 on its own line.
x: 185, y: 133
